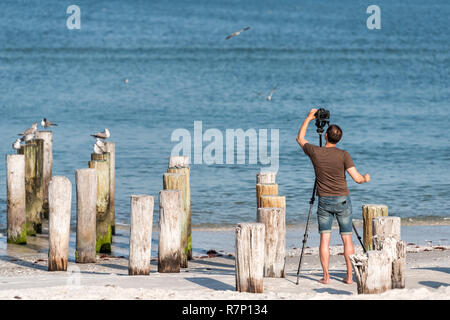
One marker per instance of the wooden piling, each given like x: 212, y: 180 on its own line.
x: 269, y: 201
x: 16, y: 230
x: 59, y: 200
x: 266, y: 177
x: 103, y: 221
x: 370, y: 211
x: 33, y: 185
x: 373, y: 271
x: 110, y: 147
x: 177, y: 181
x: 386, y: 237
x: 47, y: 165
x: 265, y: 189
x: 250, y: 257
x: 169, y: 245
x: 275, y: 241
x: 180, y: 164
x: 386, y: 227
x: 140, y: 234
x: 86, y: 186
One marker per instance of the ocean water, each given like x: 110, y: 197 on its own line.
x: 388, y: 89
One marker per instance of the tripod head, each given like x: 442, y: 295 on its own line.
x: 322, y: 119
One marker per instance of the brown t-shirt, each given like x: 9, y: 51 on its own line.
x: 330, y: 165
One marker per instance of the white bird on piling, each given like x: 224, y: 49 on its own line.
x: 30, y: 130
x: 269, y: 97
x: 28, y: 137
x: 47, y: 123
x: 99, y: 147
x: 16, y: 145
x: 234, y: 34
x: 102, y: 135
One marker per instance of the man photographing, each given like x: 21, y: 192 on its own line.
x: 330, y: 164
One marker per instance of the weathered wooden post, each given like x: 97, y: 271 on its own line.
x: 250, y: 257
x: 110, y: 147
x: 386, y: 237
x: 266, y: 177
x: 140, y: 234
x: 373, y: 271
x: 275, y: 241
x: 33, y: 152
x: 86, y: 186
x: 59, y: 201
x: 269, y: 201
x: 177, y: 181
x: 169, y: 245
x: 265, y: 189
x: 47, y: 164
x: 370, y: 211
x: 180, y: 164
x: 103, y: 221
x: 385, y: 226
x: 16, y: 231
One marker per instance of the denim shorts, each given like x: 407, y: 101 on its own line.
x: 339, y: 206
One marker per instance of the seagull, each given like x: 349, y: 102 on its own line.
x: 28, y: 137
x: 99, y: 147
x: 102, y: 135
x: 269, y: 97
x: 47, y: 123
x: 234, y: 34
x: 16, y: 145
x: 100, y: 144
x: 30, y: 130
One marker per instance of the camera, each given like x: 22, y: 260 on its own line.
x: 322, y: 118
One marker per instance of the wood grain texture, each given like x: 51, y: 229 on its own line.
x: 370, y: 211
x: 265, y: 189
x: 110, y: 147
x: 266, y: 177
x: 16, y: 199
x: 250, y: 257
x: 177, y: 181
x: 140, y: 234
x: 269, y: 201
x: 47, y: 166
x: 373, y: 272
x: 33, y: 190
x: 103, y: 221
x: 86, y: 188
x: 274, y: 220
x: 169, y: 245
x: 59, y: 200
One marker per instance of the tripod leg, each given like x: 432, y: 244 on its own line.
x: 305, y: 237
x: 359, y: 238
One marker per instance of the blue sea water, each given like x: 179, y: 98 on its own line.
x: 388, y: 89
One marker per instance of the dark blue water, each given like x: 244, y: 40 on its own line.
x: 388, y: 89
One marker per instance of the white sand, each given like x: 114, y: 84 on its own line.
x: 24, y: 276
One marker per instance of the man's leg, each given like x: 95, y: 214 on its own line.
x: 324, y: 252
x: 348, y: 250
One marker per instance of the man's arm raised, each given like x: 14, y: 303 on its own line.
x: 302, y: 132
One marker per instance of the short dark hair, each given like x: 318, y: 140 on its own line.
x: 334, y: 133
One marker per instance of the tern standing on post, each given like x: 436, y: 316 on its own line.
x: 102, y: 135
x: 330, y: 165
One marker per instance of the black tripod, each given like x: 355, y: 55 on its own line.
x: 311, y: 203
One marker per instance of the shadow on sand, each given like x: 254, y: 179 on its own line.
x: 211, y: 283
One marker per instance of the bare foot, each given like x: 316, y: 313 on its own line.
x: 348, y: 280
x: 324, y: 281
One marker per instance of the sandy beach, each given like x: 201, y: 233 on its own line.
x: 24, y: 275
